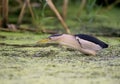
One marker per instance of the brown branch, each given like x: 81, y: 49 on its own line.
x: 4, y: 13
x: 65, y: 6
x: 82, y: 6
x: 26, y: 3
x: 22, y: 12
x: 5, y: 10
x: 1, y: 8
x: 53, y: 8
x: 30, y: 8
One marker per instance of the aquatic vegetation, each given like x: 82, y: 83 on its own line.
x: 54, y: 63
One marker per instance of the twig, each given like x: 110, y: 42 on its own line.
x: 22, y: 12
x: 30, y: 8
x: 4, y: 13
x: 27, y: 2
x: 51, y: 5
x: 82, y: 6
x: 65, y: 6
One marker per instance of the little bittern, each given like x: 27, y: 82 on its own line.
x: 84, y: 43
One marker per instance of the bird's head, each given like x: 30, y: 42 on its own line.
x: 52, y: 38
x: 55, y: 37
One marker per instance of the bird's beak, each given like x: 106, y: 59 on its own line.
x: 44, y: 41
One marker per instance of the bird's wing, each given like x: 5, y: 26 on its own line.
x: 92, y: 39
x: 87, y: 44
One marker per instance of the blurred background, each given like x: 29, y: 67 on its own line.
x: 98, y: 17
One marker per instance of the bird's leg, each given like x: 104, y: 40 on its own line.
x: 89, y: 52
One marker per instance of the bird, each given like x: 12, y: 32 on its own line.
x: 84, y: 43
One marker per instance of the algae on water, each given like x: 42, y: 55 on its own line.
x: 56, y: 64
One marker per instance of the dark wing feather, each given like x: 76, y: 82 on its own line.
x: 92, y: 39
